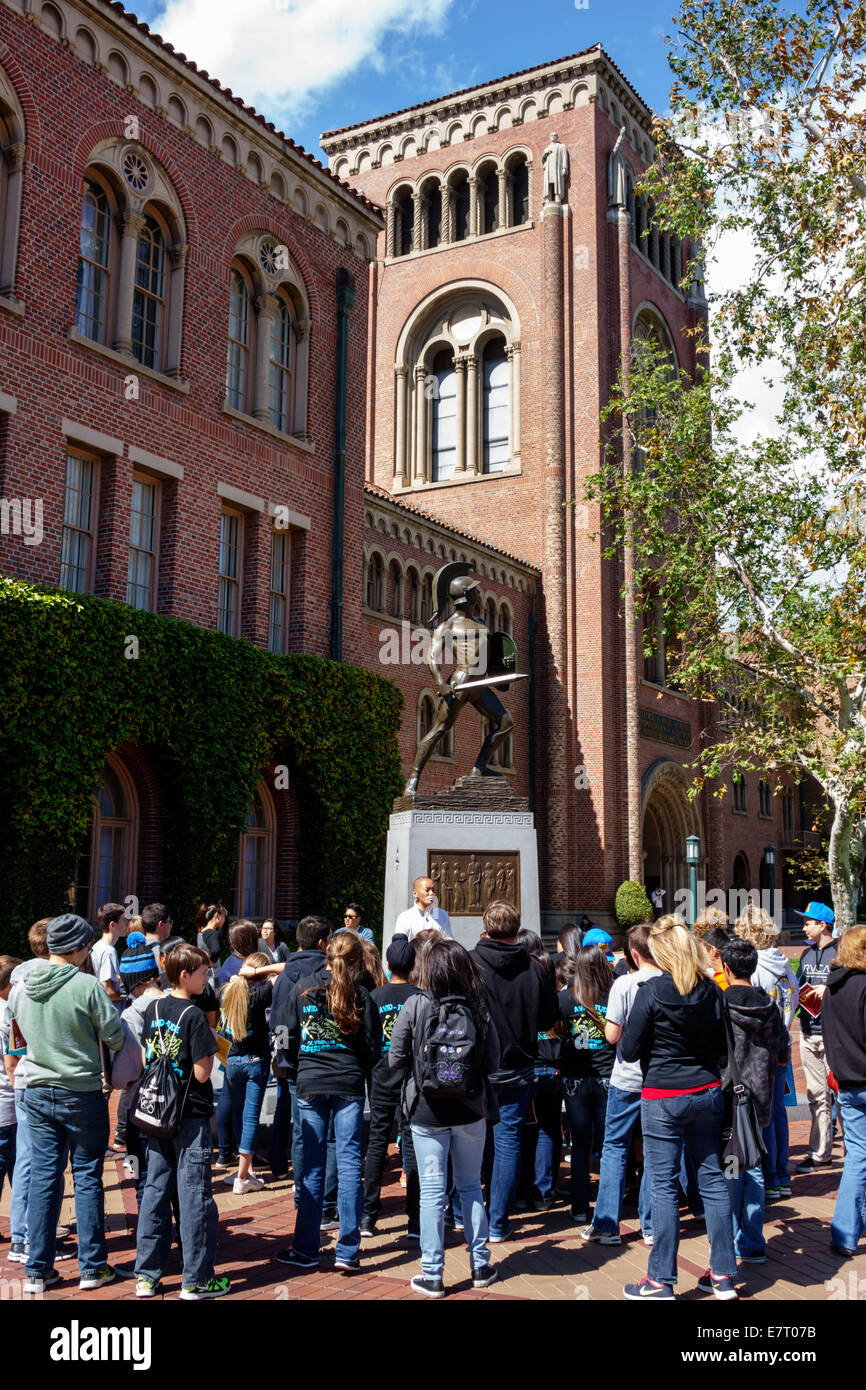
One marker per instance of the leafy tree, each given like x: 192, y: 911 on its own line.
x: 757, y: 545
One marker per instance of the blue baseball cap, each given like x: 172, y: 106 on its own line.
x: 818, y: 912
x: 596, y: 937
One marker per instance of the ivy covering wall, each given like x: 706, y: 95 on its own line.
x: 211, y: 712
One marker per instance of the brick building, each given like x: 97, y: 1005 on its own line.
x: 505, y: 288
x: 180, y: 347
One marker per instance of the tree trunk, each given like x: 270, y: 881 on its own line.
x: 844, y: 883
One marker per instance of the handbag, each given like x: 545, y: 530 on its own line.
x: 742, y: 1139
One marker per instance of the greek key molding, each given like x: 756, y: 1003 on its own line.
x: 495, y: 819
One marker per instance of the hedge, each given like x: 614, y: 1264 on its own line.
x: 211, y: 712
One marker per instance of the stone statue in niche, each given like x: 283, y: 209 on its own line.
x: 554, y: 162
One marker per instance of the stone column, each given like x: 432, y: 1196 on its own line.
x: 473, y: 205
x: 131, y: 225
x: 301, y: 328
x: 514, y: 361
x: 15, y: 156
x: 472, y: 466
x: 447, y: 214
x: 401, y: 462
x: 502, y: 179
x: 418, y: 222
x: 420, y: 470
x: 177, y: 254
x: 391, y: 232
x: 460, y: 368
x: 265, y: 306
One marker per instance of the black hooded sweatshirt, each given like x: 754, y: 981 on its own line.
x: 843, y: 1013
x: 677, y: 1038
x: 523, y: 1002
x: 761, y: 1044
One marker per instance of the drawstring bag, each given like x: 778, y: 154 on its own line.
x: 157, y: 1101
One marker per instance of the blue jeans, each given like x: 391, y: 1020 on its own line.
x: 226, y: 1137
x: 621, y: 1116
x: 465, y: 1145
x: 76, y: 1122
x: 513, y: 1105
x: 776, y: 1137
x: 183, y: 1162
x: 247, y: 1081
x: 687, y: 1124
x: 849, y: 1216
x: 7, y: 1152
x: 585, y: 1105
x: 348, y: 1116
x: 329, y: 1201
x: 21, y: 1176
x: 746, y: 1192
x: 542, y: 1142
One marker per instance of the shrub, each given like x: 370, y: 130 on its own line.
x: 632, y: 905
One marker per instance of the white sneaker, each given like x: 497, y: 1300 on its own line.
x: 647, y: 1239
x: 250, y: 1184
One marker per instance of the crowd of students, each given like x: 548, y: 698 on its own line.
x: 485, y: 1062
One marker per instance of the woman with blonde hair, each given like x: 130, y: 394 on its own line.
x: 843, y: 1014
x: 676, y: 1030
x: 243, y: 1018
x: 333, y: 1032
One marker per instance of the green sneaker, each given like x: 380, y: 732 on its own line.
x: 214, y: 1288
x: 147, y: 1288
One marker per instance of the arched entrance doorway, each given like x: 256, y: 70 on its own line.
x: 668, y: 819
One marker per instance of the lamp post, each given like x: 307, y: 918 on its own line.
x: 693, y: 854
x: 770, y: 861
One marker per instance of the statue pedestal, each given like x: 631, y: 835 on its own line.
x: 476, y: 841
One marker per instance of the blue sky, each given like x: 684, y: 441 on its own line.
x: 312, y: 65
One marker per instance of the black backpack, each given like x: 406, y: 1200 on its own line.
x: 452, y: 1052
x: 157, y: 1101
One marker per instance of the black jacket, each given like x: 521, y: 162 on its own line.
x: 329, y: 1062
x: 844, y: 1016
x: 299, y: 964
x: 678, y: 1039
x: 523, y: 1002
x: 761, y: 1044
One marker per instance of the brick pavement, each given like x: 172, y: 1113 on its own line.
x: 546, y: 1260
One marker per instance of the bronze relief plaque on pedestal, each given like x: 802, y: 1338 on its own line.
x: 466, y: 881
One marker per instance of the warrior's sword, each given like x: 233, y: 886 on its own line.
x: 504, y: 679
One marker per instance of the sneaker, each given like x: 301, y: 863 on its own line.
x: 483, y: 1276
x: 457, y: 1224
x: 106, y: 1275
x: 147, y: 1288
x: 329, y: 1224
x: 294, y: 1257
x: 598, y: 1237
x: 250, y: 1184
x: 18, y: 1252
x: 350, y: 1264
x: 542, y: 1204
x: 368, y: 1228
x: 752, y: 1259
x: 648, y: 1288
x: 646, y: 1237
x: 580, y: 1218
x: 722, y: 1286
x: 64, y: 1251
x: 35, y: 1283
x: 431, y: 1288
x: 62, y: 1232
x: 214, y: 1288
x: 809, y: 1164
x: 772, y: 1194
x: 495, y: 1239
x: 784, y: 1189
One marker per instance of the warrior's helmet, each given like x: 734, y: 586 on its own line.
x: 460, y: 589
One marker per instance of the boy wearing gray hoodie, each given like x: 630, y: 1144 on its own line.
x: 64, y: 1016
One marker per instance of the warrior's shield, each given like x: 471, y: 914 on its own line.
x: 502, y: 658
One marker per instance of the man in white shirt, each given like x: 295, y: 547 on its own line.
x: 658, y: 901
x: 623, y: 1102
x: 112, y: 923
x: 423, y: 913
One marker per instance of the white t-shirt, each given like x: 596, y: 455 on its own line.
x: 626, y: 1076
x: 413, y: 920
x: 106, y: 966
x: 7, y: 1098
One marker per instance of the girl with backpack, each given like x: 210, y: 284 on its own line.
x: 446, y: 1046
x: 244, y: 1019
x: 586, y: 1063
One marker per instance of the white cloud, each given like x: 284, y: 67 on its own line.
x: 277, y: 54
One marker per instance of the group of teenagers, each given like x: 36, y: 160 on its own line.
x: 472, y: 1055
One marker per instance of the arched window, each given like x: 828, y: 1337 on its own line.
x: 254, y: 886
x: 427, y: 598
x: 107, y: 861
x: 376, y: 583
x: 432, y: 212
x: 519, y: 171
x: 505, y: 620
x: 495, y: 406
x: 92, y: 289
x: 404, y: 222
x: 488, y: 200
x: 414, y: 586
x: 149, y: 303
x: 280, y: 368
x: 12, y: 153
x: 462, y: 206
x: 238, y: 357
x: 426, y: 717
x: 444, y: 417
x: 395, y: 586
x: 490, y: 614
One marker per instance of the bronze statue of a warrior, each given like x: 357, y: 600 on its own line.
x: 479, y: 656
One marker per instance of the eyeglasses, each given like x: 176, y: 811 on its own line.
x: 349, y: 916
